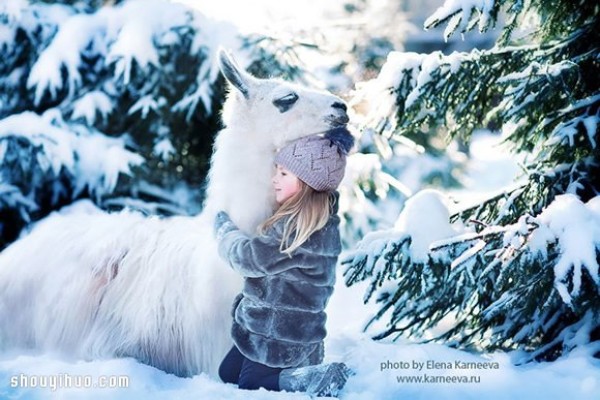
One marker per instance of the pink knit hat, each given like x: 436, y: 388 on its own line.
x: 318, y: 160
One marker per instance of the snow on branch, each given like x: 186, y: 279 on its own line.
x: 12, y: 10
x: 131, y: 38
x: 463, y: 15
x: 56, y: 143
x: 101, y: 160
x: 507, y: 283
x: 401, y: 94
x: 63, y: 54
x: 12, y: 197
x: 92, y: 159
x: 90, y: 105
x: 534, y: 94
x: 382, y: 255
x: 575, y: 228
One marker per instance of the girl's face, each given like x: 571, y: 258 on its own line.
x: 285, y: 184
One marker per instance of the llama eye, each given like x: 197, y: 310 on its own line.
x: 286, y: 102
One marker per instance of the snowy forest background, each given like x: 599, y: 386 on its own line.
x: 494, y: 110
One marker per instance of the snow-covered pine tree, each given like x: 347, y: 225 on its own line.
x: 419, y: 157
x: 523, y: 271
x: 113, y: 100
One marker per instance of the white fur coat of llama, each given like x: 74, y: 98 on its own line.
x: 121, y: 284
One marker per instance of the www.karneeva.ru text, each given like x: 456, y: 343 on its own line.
x: 452, y: 379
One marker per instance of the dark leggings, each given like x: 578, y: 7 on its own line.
x: 248, y: 374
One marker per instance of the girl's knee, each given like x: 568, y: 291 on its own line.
x: 227, y: 375
x: 228, y: 372
x: 249, y: 384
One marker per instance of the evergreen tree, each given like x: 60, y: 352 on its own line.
x: 523, y: 271
x: 419, y: 157
x: 117, y: 101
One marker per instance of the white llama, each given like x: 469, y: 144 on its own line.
x: 107, y: 285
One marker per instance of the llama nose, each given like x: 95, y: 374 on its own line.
x: 340, y: 105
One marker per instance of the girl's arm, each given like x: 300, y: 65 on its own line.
x: 251, y: 257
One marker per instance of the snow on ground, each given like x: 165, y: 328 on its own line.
x: 379, y: 367
x: 383, y: 370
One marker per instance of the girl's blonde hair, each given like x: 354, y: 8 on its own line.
x: 307, y: 212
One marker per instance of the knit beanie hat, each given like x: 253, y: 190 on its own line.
x: 318, y: 160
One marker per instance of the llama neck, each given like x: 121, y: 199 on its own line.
x: 240, y: 180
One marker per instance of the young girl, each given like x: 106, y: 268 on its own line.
x: 289, y: 274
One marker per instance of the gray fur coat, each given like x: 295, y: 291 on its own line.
x: 279, y: 318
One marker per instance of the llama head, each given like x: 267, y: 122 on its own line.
x: 273, y: 111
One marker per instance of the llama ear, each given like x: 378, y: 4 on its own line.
x: 232, y: 73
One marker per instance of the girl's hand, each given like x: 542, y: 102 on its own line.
x: 223, y: 224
